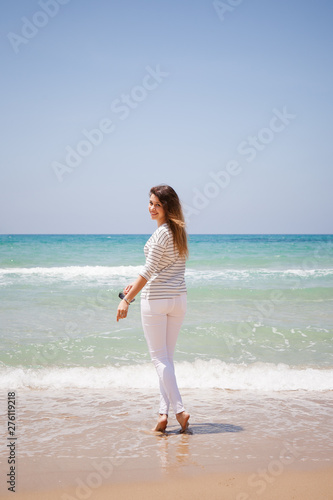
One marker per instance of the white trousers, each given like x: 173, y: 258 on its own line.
x: 161, y: 321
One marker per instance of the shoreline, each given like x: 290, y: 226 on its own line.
x: 101, y: 442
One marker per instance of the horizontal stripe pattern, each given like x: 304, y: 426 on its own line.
x: 164, y: 269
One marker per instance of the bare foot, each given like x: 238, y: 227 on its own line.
x: 182, y: 419
x: 161, y: 423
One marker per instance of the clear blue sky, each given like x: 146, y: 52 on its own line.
x: 228, y: 102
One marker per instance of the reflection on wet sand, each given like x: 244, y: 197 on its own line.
x: 174, y: 454
x: 174, y: 448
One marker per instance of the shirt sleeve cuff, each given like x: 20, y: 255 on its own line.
x: 144, y: 275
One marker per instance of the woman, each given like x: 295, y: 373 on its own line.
x: 163, y: 300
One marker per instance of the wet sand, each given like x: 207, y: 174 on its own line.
x: 94, y: 444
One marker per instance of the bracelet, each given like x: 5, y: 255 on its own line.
x: 127, y: 301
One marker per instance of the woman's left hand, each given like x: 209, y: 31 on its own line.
x: 122, y: 310
x: 128, y: 288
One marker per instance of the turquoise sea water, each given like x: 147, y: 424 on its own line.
x: 259, y: 316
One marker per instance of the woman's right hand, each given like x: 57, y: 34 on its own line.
x: 128, y: 288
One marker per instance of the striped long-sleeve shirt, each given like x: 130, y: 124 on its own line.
x: 164, y: 269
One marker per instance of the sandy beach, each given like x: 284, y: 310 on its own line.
x: 293, y: 485
x: 86, y: 445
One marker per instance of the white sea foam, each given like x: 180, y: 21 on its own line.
x: 255, y: 273
x: 101, y: 272
x: 72, y: 272
x: 260, y: 377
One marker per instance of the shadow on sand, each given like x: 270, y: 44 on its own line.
x: 208, y: 428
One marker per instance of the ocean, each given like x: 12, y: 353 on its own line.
x: 254, y: 359
x: 259, y: 315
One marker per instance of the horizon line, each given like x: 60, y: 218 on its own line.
x: 144, y: 234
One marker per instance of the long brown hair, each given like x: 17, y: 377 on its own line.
x: 174, y: 216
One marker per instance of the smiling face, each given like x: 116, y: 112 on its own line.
x: 156, y: 210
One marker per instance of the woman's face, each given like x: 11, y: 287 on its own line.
x: 156, y: 210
